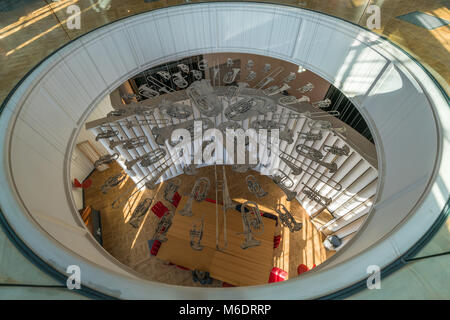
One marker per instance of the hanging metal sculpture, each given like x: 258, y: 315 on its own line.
x: 250, y: 64
x: 202, y: 64
x: 287, y: 219
x: 198, y: 75
x: 290, y: 77
x: 316, y: 156
x: 106, y: 159
x: 176, y: 110
x: 343, y: 151
x: 163, y: 134
x: 271, y: 91
x: 289, y: 100
x: 293, y: 163
x: 184, y: 68
x: 254, y: 187
x: 249, y: 107
x: 230, y: 76
x: 306, y: 88
x: 171, y: 188
x: 164, y: 74
x: 315, y: 196
x: 139, y: 212
x: 322, y: 104
x: 147, y: 159
x: 203, y: 97
x: 252, y: 224
x: 198, y: 193
x: 267, y: 68
x: 190, y: 169
x: 285, y: 183
x: 146, y: 91
x: 160, y: 171
x: 129, y: 144
x: 163, y: 227
x: 222, y: 186
x: 284, y: 134
x: 251, y: 76
x: 309, y: 136
x: 196, y: 235
x: 232, y: 92
x: 321, y: 124
x: 107, y: 134
x: 113, y: 181
x: 179, y: 80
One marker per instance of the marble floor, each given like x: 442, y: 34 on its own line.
x: 129, y: 245
x: 30, y: 30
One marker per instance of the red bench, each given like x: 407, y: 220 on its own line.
x: 277, y: 275
x: 159, y: 209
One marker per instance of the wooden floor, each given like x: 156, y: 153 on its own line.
x: 129, y: 245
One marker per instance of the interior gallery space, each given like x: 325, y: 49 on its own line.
x: 224, y: 150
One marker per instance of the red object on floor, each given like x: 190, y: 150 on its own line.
x: 181, y: 267
x: 276, y: 241
x: 302, y: 269
x: 86, y: 183
x: 155, y: 247
x: 176, y: 199
x: 277, y: 275
x: 210, y: 200
x: 226, y: 284
x: 77, y: 184
x: 159, y: 209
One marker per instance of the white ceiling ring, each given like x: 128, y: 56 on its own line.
x: 393, y: 93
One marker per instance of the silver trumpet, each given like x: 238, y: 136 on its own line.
x: 287, y: 219
x: 147, y: 159
x: 113, y: 181
x: 271, y: 91
x: 344, y: 151
x: 291, y: 162
x: 252, y: 224
x: 129, y: 144
x: 286, y: 101
x: 196, y: 235
x: 284, y: 182
x: 106, y: 159
x: 316, y: 156
x: 140, y: 210
x: 254, y: 186
x: 315, y: 196
x: 198, y: 193
x: 106, y: 134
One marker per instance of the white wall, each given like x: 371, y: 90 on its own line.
x: 393, y: 93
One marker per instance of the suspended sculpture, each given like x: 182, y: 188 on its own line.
x: 287, y: 219
x: 198, y: 193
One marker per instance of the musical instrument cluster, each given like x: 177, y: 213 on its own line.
x: 155, y: 111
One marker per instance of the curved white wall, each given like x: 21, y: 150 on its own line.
x: 393, y: 93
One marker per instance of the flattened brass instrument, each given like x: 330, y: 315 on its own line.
x: 196, y: 235
x: 147, y: 159
x: 254, y: 186
x: 160, y: 171
x: 316, y: 156
x: 287, y: 219
x: 171, y: 188
x: 285, y: 183
x: 163, y: 227
x: 129, y: 144
x: 344, y: 151
x: 315, y: 196
x: 198, y: 193
x: 252, y: 224
x: 249, y: 107
x: 106, y: 134
x: 285, y: 134
x: 113, y: 181
x: 203, y: 97
x: 309, y: 136
x: 162, y: 134
x: 176, y: 110
x: 140, y: 210
x: 106, y: 159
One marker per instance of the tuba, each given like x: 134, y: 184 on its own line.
x: 147, y: 159
x: 254, y: 186
x: 284, y: 182
x: 252, y: 224
x: 198, y: 193
x: 287, y: 219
